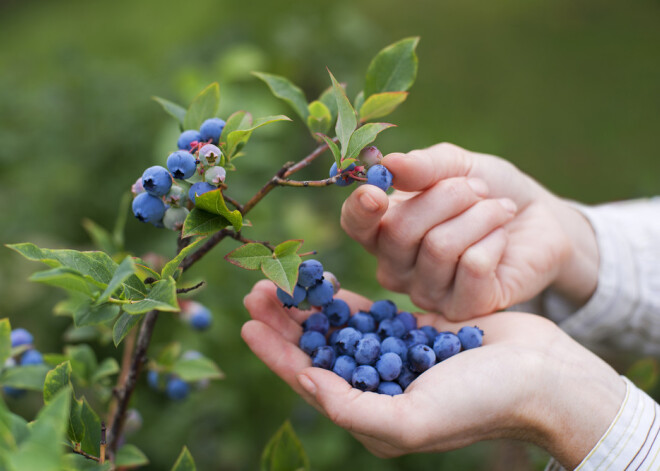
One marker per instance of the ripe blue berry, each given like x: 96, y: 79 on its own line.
x: 406, y: 377
x: 309, y: 273
x: 394, y: 345
x: 371, y: 335
x: 20, y: 337
x: 471, y: 337
x: 215, y: 175
x: 209, y: 155
x: 389, y: 388
x: 379, y: 176
x: 431, y: 333
x: 187, y: 138
x: 384, y: 309
x: 156, y: 180
x: 367, y: 351
x: 345, y: 180
x: 181, y: 164
x: 446, y: 344
x: 212, y: 129
x: 391, y: 328
x: 32, y: 357
x: 337, y: 311
x: 323, y: 357
x: 366, y: 378
x: 318, y: 322
x: 363, y: 321
x: 420, y: 358
x: 321, y: 293
x: 347, y: 340
x: 414, y: 337
x: 299, y: 295
x: 409, y: 321
x: 310, y: 341
x: 389, y: 366
x: 153, y: 380
x: 200, y: 319
x: 199, y: 188
x: 177, y: 389
x: 148, y: 208
x: 344, y: 367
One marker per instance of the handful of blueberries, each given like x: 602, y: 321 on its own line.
x: 380, y: 350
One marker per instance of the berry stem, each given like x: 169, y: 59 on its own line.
x: 233, y: 202
x: 308, y: 159
x: 192, y: 288
x: 86, y: 455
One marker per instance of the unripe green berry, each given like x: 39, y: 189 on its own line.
x: 209, y: 155
x: 370, y: 156
x: 174, y: 218
x: 215, y: 175
x: 177, y: 196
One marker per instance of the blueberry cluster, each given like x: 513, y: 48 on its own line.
x: 28, y: 356
x: 197, y: 315
x: 174, y: 387
x: 369, y: 168
x: 315, y: 287
x: 164, y: 196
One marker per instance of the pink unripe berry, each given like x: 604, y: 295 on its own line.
x: 370, y: 156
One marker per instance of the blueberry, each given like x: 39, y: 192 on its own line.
x: 215, y: 175
x: 174, y: 218
x: 332, y: 340
x: 156, y: 180
x: 389, y: 388
x: 389, y: 366
x: 211, y: 129
x: 406, y: 377
x: 299, y: 295
x: 209, y: 155
x: 409, y: 321
x: 366, y: 378
x: 371, y: 335
x: 309, y: 273
x: 32, y: 357
x: 431, y: 333
x: 347, y: 340
x: 420, y: 358
x: 318, y: 322
x: 181, y: 164
x: 471, y: 337
x: 177, y: 196
x: 199, y: 188
x: 338, y: 312
x: 344, y: 180
x: 20, y: 337
x: 187, y: 138
x: 14, y: 393
x: 367, y: 351
x: 320, y: 294
x: 200, y: 319
x: 384, y: 309
x: 446, y: 344
x: 177, y: 389
x: 379, y: 176
x: 394, y: 345
x: 413, y: 337
x: 153, y: 380
x: 363, y: 321
x: 148, y: 208
x: 310, y: 341
x: 370, y: 156
x: 323, y: 357
x: 344, y: 367
x: 391, y: 328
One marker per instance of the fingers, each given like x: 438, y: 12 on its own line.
x: 263, y: 305
x: 442, y: 247
x: 361, y: 214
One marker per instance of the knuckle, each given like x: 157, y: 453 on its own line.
x: 477, y: 263
x: 388, y: 279
x: 394, y: 233
x: 438, y: 246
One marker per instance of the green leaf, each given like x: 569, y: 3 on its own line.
x: 125, y: 269
x: 65, y: 278
x: 346, y: 118
x: 76, y: 431
x: 171, y: 266
x: 130, y: 455
x: 168, y: 355
x: 284, y: 452
x: 288, y: 247
x: 363, y: 137
x: 13, y: 429
x: 120, y: 221
x: 336, y: 153
x: 73, y: 462
x: 394, y: 69
x: 197, y: 369
x: 108, y: 367
x: 29, y: 377
x: 83, y: 361
x: 319, y: 119
x: 161, y: 297
x: 123, y: 326
x: 237, y: 120
x: 171, y: 108
x: 213, y: 202
x: 201, y: 222
x: 283, y: 89
x: 645, y: 373
x: 381, y: 104
x: 249, y: 256
x: 88, y: 314
x: 92, y: 440
x: 100, y: 236
x: 57, y: 379
x: 204, y: 106
x: 184, y: 462
x: 328, y: 99
x: 282, y: 270
x: 145, y: 271
x: 241, y: 135
x: 359, y: 101
x: 5, y: 340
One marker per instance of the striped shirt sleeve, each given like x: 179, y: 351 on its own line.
x: 632, y: 441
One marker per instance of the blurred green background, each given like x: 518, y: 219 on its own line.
x: 566, y: 90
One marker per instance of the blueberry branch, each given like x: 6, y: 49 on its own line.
x: 233, y: 202
x: 307, y: 183
x: 192, y: 288
x: 86, y: 455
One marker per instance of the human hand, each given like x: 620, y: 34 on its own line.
x: 467, y: 234
x: 528, y: 381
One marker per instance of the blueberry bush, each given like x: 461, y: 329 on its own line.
x: 87, y: 418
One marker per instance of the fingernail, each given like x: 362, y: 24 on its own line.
x: 368, y: 202
x: 508, y: 204
x: 478, y: 186
x: 307, y: 384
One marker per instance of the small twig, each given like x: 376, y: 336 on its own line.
x: 306, y: 183
x: 103, y: 443
x: 239, y: 237
x: 307, y: 254
x: 86, y: 455
x: 270, y: 184
x: 233, y: 202
x: 192, y: 288
x: 307, y: 160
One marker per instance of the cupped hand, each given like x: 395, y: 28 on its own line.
x: 529, y: 381
x: 467, y: 234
